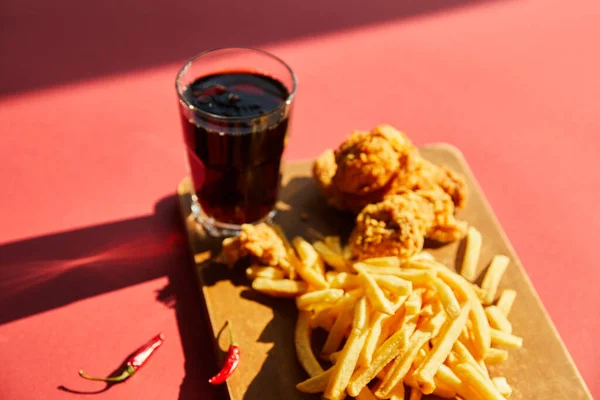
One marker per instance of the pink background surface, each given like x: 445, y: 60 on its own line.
x: 92, y: 259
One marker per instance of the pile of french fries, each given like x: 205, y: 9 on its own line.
x: 395, y: 325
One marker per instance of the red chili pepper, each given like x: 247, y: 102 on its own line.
x: 134, y: 362
x: 231, y: 362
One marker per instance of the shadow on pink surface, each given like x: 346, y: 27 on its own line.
x: 64, y: 41
x: 51, y: 271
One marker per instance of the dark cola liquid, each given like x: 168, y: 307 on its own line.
x: 236, y: 170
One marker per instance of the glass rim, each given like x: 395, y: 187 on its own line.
x: 188, y: 63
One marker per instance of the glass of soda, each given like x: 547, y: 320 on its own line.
x: 235, y: 106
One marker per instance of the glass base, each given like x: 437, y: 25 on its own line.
x: 221, y: 229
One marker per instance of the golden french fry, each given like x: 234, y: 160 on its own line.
x: 304, y: 352
x: 492, y: 277
x: 442, y: 390
x: 415, y: 394
x: 383, y: 355
x: 383, y: 262
x: 435, y: 324
x: 397, y: 392
x: 315, y: 384
x: 333, y: 259
x: 465, y: 357
x: 310, y: 300
x: 366, y: 394
x: 478, y: 291
x: 502, y: 385
x: 495, y: 356
x: 311, y: 276
x: 471, y: 257
x: 346, y: 362
x: 448, y: 335
x: 506, y: 300
x: 375, y: 294
x: 393, y: 284
x: 423, y: 256
x: 416, y: 276
x: 308, y: 255
x: 256, y: 271
x: 504, y: 339
x: 334, y: 243
x: 497, y: 319
x: 447, y: 376
x: 280, y: 287
x: 447, y: 297
x: 340, y: 326
x: 402, y: 363
x: 347, y: 252
x: 322, y: 318
x: 481, y: 327
x: 343, y: 280
x: 482, y: 385
x: 288, y: 267
x: 366, y: 355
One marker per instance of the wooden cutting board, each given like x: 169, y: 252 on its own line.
x: 264, y: 326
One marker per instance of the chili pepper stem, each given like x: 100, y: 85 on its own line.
x: 232, y: 341
x: 124, y: 375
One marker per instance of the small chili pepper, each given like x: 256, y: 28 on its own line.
x: 231, y: 362
x: 134, y: 362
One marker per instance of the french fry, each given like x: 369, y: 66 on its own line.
x: 506, y: 300
x: 435, y: 324
x: 256, y: 271
x: 471, y: 257
x: 315, y: 384
x: 346, y: 362
x: 415, y: 394
x: 375, y: 294
x: 492, y: 278
x: 465, y: 357
x: 334, y: 243
x: 288, y: 267
x: 481, y: 327
x: 340, y: 326
x: 442, y: 390
x: 483, y: 386
x: 322, y: 317
x: 335, y: 260
x: 502, y: 385
x: 347, y: 252
x: 366, y: 355
x: 416, y: 276
x: 504, y: 339
x: 402, y: 363
x: 397, y: 392
x: 448, y: 335
x: 308, y: 255
x: 311, y: 276
x: 446, y: 375
x: 383, y: 355
x: 366, y: 394
x: 310, y: 300
x: 343, y: 280
x: 497, y: 319
x: 383, y: 262
x: 447, y: 297
x: 302, y: 341
x: 280, y: 287
x: 393, y: 284
x: 495, y: 356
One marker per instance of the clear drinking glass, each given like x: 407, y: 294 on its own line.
x: 235, y: 106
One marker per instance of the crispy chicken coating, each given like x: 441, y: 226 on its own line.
x: 258, y: 242
x: 398, y: 225
x: 369, y: 166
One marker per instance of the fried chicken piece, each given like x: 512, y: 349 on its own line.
x: 324, y: 169
x: 399, y: 224
x: 258, y: 242
x: 367, y: 161
x: 369, y: 166
x: 384, y: 229
x: 426, y: 175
